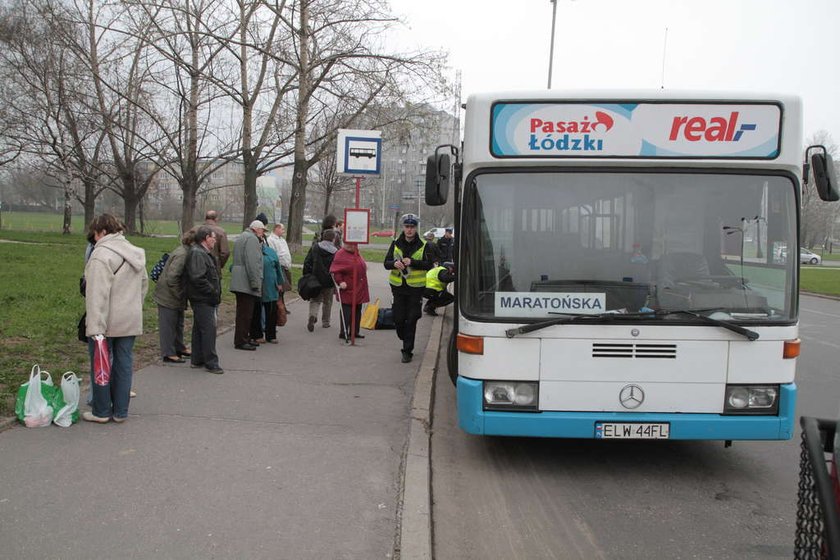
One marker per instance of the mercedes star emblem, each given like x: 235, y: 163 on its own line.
x: 631, y: 396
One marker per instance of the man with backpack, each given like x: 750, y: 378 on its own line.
x: 318, y: 262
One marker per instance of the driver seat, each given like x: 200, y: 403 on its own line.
x: 681, y: 267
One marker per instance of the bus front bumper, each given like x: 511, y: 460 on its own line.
x: 474, y: 420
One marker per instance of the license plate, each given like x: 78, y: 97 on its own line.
x: 629, y: 430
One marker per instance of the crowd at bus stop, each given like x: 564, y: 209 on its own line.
x: 115, y: 284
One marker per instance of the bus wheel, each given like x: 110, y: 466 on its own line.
x: 452, y: 357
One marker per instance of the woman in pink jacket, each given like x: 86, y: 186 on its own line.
x: 346, y: 261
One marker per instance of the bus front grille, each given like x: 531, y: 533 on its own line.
x: 633, y: 350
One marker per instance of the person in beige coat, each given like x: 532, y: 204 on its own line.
x: 116, y: 286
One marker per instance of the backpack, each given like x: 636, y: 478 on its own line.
x: 157, y: 270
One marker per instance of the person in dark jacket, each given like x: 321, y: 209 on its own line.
x: 431, y: 247
x: 204, y: 291
x: 171, y: 298
x: 318, y: 262
x: 408, y: 261
x: 446, y: 246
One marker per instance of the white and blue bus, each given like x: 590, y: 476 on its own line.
x: 627, y: 263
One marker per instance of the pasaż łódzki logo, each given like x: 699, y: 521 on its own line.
x: 543, y: 137
x: 714, y: 129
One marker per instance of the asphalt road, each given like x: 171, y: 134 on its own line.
x: 518, y: 498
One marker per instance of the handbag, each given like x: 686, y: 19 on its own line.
x: 286, y: 286
x: 281, y: 313
x: 370, y: 315
x: 81, y: 328
x: 308, y: 286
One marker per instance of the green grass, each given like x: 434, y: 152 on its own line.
x: 41, y: 222
x: 820, y: 280
x: 40, y: 305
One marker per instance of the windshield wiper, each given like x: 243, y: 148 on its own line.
x: 746, y: 333
x: 566, y: 319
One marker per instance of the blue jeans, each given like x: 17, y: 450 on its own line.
x: 112, y: 399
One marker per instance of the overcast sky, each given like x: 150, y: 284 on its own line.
x: 770, y: 46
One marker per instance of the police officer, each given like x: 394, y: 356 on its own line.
x: 436, y: 281
x: 408, y: 262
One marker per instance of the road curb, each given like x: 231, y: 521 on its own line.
x: 824, y: 296
x: 415, y: 532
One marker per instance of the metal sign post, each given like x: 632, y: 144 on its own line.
x: 358, y: 153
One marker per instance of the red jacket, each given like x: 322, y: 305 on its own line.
x: 342, y: 269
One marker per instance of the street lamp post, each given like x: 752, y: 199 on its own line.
x: 551, y: 51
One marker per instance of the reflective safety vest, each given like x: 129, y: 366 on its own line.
x: 415, y: 278
x: 432, y: 280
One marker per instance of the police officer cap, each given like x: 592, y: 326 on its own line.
x: 449, y: 264
x: 410, y: 220
x: 449, y: 230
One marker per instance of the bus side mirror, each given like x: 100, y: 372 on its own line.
x: 441, y: 174
x: 438, y: 179
x: 825, y: 178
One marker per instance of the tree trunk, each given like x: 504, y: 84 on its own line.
x: 250, y: 178
x: 141, y: 207
x: 327, y: 197
x: 68, y: 209
x: 249, y: 163
x: 189, y: 186
x: 90, y: 201
x: 130, y: 201
x: 297, y: 205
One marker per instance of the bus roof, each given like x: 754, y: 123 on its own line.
x: 599, y: 127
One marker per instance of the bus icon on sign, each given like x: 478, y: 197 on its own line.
x: 363, y: 152
x: 359, y: 152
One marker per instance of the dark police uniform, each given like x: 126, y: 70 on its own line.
x: 407, y: 288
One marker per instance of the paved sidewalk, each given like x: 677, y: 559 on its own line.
x: 295, y: 452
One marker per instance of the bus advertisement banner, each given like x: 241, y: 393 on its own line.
x: 635, y: 130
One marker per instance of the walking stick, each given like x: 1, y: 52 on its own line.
x: 341, y: 312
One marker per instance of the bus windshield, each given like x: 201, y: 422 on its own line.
x: 541, y: 243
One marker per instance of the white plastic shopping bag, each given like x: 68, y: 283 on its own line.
x: 70, y: 391
x: 37, y: 412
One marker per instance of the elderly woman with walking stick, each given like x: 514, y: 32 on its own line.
x: 350, y: 273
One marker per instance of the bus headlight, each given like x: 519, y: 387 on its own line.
x: 511, y: 395
x: 751, y: 399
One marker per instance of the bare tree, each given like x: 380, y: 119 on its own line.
x: 55, y: 123
x: 188, y: 39
x: 342, y: 71
x: 117, y: 66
